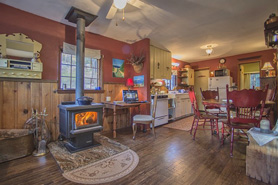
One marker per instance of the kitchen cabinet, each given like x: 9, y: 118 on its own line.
x: 182, y: 106
x: 187, y: 77
x: 160, y: 63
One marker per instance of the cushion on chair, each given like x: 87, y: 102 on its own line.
x: 142, y: 118
x: 208, y: 116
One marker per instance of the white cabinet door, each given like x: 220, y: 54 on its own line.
x: 183, y: 104
x: 188, y: 107
x: 167, y: 65
x: 178, y: 108
x: 158, y: 64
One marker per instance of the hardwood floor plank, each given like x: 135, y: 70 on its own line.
x: 172, y: 158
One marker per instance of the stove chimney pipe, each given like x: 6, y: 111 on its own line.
x: 82, y: 19
x: 80, y: 51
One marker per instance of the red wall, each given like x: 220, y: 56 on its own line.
x: 52, y: 34
x: 143, y: 92
x: 233, y: 61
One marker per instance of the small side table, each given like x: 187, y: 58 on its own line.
x: 114, y: 107
x: 262, y: 161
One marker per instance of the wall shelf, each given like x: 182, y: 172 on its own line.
x: 186, y: 76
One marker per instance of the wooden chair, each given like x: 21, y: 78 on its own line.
x: 245, y: 103
x: 211, y: 94
x: 198, y: 117
x: 145, y: 119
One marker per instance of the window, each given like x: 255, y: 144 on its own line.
x: 68, y: 72
x: 167, y: 83
x: 171, y: 84
x: 254, y: 80
x: 173, y: 81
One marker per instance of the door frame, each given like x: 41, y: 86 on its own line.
x: 195, y: 76
x: 246, y: 62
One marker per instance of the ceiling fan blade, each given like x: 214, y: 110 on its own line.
x: 137, y: 3
x: 111, y: 13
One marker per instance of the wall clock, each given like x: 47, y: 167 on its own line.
x: 222, y: 61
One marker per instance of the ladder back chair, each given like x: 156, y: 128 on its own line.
x: 198, y: 117
x: 242, y: 107
x: 211, y: 94
x: 145, y: 119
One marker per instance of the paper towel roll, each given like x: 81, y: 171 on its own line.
x: 19, y: 53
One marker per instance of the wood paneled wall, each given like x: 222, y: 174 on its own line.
x: 17, y: 98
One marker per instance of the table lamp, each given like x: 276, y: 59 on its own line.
x: 129, y: 83
x: 267, y: 66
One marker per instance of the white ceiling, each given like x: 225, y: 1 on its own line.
x: 181, y: 26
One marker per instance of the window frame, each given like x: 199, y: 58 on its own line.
x: 69, y: 91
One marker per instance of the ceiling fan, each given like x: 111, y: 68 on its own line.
x: 121, y: 4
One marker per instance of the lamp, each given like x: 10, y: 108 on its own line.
x: 120, y: 4
x: 129, y: 83
x: 267, y: 66
x: 209, y: 50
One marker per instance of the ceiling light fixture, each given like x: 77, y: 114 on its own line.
x: 209, y: 50
x: 120, y: 4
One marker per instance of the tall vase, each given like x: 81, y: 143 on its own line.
x: 138, y: 68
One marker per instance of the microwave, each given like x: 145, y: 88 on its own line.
x: 222, y: 72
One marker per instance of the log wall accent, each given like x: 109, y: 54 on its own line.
x: 17, y: 98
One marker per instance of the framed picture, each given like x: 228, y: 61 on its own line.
x: 138, y: 81
x: 118, y: 68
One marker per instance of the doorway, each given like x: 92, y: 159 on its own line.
x: 200, y: 81
x: 249, y: 75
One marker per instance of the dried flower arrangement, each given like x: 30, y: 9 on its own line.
x: 136, y: 60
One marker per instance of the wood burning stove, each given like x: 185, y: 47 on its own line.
x: 78, y: 124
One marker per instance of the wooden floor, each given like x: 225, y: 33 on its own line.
x: 173, y: 158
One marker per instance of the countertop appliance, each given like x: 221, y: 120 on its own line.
x: 161, y: 115
x: 222, y: 72
x: 220, y: 82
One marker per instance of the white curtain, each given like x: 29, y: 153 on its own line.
x: 247, y: 81
x: 71, y: 49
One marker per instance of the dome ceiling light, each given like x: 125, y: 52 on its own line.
x: 209, y: 48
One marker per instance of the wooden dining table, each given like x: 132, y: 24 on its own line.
x: 223, y: 103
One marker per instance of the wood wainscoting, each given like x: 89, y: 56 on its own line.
x: 17, y: 98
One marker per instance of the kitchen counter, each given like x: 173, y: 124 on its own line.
x: 179, y: 105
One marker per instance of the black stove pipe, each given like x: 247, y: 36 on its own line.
x: 80, y: 50
x: 81, y: 19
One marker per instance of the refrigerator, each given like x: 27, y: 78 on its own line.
x: 220, y: 82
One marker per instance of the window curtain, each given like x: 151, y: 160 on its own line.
x: 246, y: 81
x: 71, y: 49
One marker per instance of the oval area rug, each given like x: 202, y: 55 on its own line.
x: 104, y: 163
x: 105, y: 170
